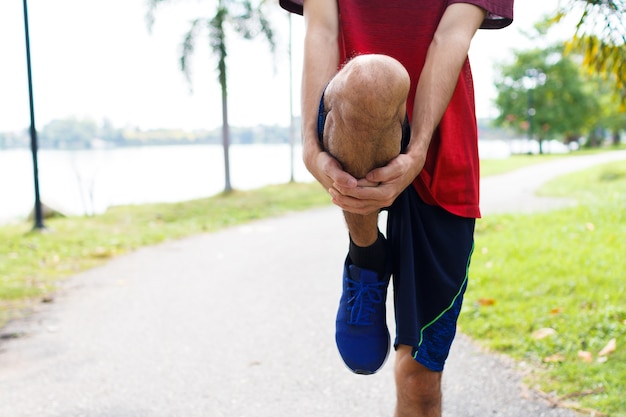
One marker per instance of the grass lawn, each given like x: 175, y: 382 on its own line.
x: 562, y: 271
x: 550, y: 290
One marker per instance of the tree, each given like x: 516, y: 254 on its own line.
x: 246, y: 19
x: 543, y: 94
x: 600, y: 37
x: 69, y: 133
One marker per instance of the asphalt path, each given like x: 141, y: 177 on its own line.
x: 239, y: 323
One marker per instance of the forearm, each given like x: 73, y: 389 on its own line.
x: 321, y: 59
x: 446, y: 55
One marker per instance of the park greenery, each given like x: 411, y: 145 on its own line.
x: 546, y: 289
x: 599, y: 38
x: 246, y: 18
x: 544, y: 94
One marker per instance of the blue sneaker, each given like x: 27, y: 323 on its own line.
x: 361, y: 329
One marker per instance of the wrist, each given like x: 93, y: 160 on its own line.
x: 310, y: 150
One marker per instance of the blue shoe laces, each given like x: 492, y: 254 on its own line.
x: 363, y: 296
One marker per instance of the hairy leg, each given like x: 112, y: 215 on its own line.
x: 366, y: 105
x: 418, y: 388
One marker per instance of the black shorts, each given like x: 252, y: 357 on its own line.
x: 431, y: 250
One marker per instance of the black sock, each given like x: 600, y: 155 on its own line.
x: 371, y: 257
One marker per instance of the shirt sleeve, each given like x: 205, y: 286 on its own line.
x: 293, y: 6
x: 499, y: 12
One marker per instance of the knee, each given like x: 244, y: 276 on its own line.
x: 377, y: 70
x: 416, y: 384
x: 374, y: 86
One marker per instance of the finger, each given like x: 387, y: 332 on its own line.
x: 385, y: 174
x: 341, y: 178
x: 366, y: 183
x: 354, y: 205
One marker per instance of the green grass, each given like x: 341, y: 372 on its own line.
x: 500, y: 166
x: 33, y: 263
x: 562, y: 270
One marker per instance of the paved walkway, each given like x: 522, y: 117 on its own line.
x: 236, y: 323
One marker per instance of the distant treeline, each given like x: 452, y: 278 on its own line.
x: 73, y: 133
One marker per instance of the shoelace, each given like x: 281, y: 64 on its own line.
x: 362, y: 300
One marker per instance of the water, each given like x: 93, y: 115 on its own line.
x: 87, y: 182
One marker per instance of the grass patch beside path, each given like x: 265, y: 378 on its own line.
x: 32, y: 263
x: 550, y: 289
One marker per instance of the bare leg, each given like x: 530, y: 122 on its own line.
x: 418, y: 388
x: 366, y: 104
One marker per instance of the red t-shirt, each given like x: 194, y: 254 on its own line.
x: 404, y: 29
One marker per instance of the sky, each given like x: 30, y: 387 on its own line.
x: 97, y: 59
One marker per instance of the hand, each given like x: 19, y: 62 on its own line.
x: 327, y: 170
x: 380, y: 187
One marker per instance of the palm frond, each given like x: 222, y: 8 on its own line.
x: 152, y: 6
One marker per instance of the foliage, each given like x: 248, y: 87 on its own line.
x: 73, y: 133
x: 549, y: 289
x: 600, y: 37
x: 68, y: 133
x: 563, y: 103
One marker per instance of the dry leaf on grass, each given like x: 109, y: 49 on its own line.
x: 486, y: 302
x: 557, y: 357
x: 543, y: 333
x: 609, y: 348
x: 585, y: 356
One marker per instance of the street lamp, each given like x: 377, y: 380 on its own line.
x: 38, y: 212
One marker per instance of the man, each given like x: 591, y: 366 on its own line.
x: 389, y: 122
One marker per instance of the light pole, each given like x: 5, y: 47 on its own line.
x: 38, y: 212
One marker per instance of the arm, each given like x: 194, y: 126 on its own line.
x: 446, y: 55
x: 321, y: 59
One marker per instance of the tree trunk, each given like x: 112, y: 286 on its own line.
x: 226, y: 139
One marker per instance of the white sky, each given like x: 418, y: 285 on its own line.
x: 96, y: 59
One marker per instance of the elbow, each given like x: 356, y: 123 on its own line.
x: 455, y: 42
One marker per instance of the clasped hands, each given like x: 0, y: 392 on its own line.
x: 377, y: 190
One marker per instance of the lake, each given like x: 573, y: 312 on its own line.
x: 90, y: 181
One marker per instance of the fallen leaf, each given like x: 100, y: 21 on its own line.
x: 486, y: 302
x: 556, y: 310
x: 543, y: 333
x: 590, y: 226
x: 585, y: 356
x: 609, y: 348
x: 602, y: 359
x: 485, y: 250
x: 557, y: 357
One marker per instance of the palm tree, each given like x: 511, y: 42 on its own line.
x: 246, y: 19
x: 600, y: 37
